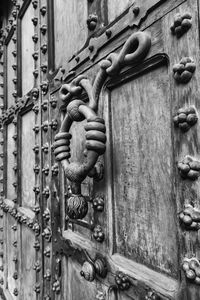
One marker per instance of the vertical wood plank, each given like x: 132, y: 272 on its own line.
x: 70, y: 28
x: 27, y: 31
x: 27, y: 159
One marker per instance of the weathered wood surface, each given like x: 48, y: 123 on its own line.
x: 27, y: 50
x: 142, y: 160
x: 28, y: 259
x: 86, y: 290
x: 70, y: 28
x: 10, y: 73
x: 186, y: 191
x: 27, y: 159
x: 10, y: 162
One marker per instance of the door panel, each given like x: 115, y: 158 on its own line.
x: 27, y: 159
x: 28, y: 261
x: 142, y: 181
x: 10, y: 73
x: 27, y: 50
x: 11, y: 193
x: 11, y: 237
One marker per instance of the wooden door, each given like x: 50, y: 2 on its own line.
x: 99, y: 135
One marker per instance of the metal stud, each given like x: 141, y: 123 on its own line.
x: 47, y: 275
x: 47, y: 251
x: 47, y: 234
x: 45, y: 148
x: 55, y: 169
x: 30, y: 223
x: 14, y: 67
x: 15, y: 275
x: 35, y: 3
x: 36, y: 108
x: 44, y: 48
x: 36, y: 209
x: 45, y: 125
x: 35, y: 93
x: 35, y: 21
x: 18, y: 6
x: 44, y: 68
x: 98, y: 234
x: 46, y: 170
x: 37, y: 266
x: 44, y: 105
x: 53, y: 102
x: 15, y: 259
x: 14, y: 137
x: 122, y: 281
x: 92, y: 22
x: 36, y: 148
x: 14, y: 39
x: 36, y: 189
x: 35, y: 73
x: 14, y: 13
x: 36, y: 128
x: 46, y: 215
x: 15, y: 184
x: 36, y: 245
x: 14, y: 80
x: 46, y: 192
x: 35, y: 55
x: 36, y: 229
x: 43, y: 10
x: 15, y: 244
x: 43, y: 29
x: 56, y: 286
x: 35, y: 38
x: 54, y: 124
x: 15, y: 292
x: 37, y: 288
x: 44, y: 87
x: 36, y: 169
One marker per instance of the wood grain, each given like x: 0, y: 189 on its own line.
x: 70, y: 28
x: 143, y: 172
x: 10, y: 73
x: 27, y: 281
x: 10, y: 161
x: 27, y: 50
x: 115, y: 8
x: 27, y: 159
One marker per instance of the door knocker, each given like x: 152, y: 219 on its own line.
x: 134, y: 50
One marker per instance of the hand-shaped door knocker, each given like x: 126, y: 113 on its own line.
x: 95, y: 129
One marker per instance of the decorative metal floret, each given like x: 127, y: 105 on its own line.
x: 98, y: 204
x: 184, y: 70
x: 189, y: 168
x: 98, y: 234
x: 190, y: 217
x: 191, y: 267
x: 182, y: 23
x: 185, y: 118
x: 122, y: 281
